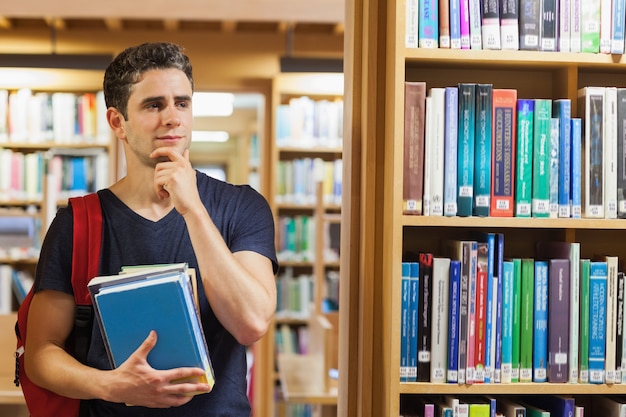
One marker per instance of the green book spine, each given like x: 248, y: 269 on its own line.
x: 465, y: 149
x: 479, y: 410
x: 526, y: 321
x: 583, y: 350
x: 482, y: 153
x: 541, y: 159
x: 516, y: 311
x: 524, y: 174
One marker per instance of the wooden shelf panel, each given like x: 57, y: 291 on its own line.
x: 515, y: 389
x: 514, y: 222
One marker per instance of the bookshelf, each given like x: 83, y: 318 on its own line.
x: 306, y: 157
x: 377, y: 65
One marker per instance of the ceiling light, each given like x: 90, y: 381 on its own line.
x: 209, y: 136
x: 212, y: 104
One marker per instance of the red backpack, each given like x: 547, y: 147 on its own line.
x: 85, y: 263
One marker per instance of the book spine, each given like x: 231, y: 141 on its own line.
x: 439, y: 325
x: 444, y: 23
x: 583, y: 340
x: 540, y: 195
x: 455, y: 24
x: 526, y: 323
x: 404, y: 322
x: 540, y: 322
x: 425, y: 300
x: 428, y: 155
x: 507, y: 322
x: 428, y: 26
x: 464, y: 14
x: 490, y: 326
x: 564, y: 25
x: 437, y: 152
x: 516, y: 329
x: 481, y: 323
x: 482, y: 151
x: 412, y: 22
x: 475, y: 25
x: 619, y: 20
x: 575, y: 40
x: 509, y: 24
x: 558, y: 320
x: 606, y: 12
x: 498, y: 274
x: 577, y: 175
x: 597, y: 321
x: 553, y: 208
x: 450, y: 162
x: 464, y: 310
x: 621, y: 153
x: 574, y: 322
x: 414, y: 129
x: 590, y: 26
x: 524, y: 166
x: 490, y: 25
x: 592, y: 101
x: 609, y: 134
x: 548, y: 25
x: 465, y: 150
x: 529, y: 24
x: 562, y: 109
x: 470, y: 368
x: 612, y: 266
x: 503, y: 152
x: 453, y: 321
x: 413, y: 320
x: 619, y: 328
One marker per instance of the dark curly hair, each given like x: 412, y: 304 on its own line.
x: 127, y: 67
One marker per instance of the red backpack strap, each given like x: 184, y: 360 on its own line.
x: 87, y: 244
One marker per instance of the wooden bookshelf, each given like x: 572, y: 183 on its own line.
x: 375, y: 233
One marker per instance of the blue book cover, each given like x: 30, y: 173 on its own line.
x: 617, y: 28
x: 428, y: 24
x: 524, y: 157
x: 498, y: 272
x: 507, y: 321
x: 465, y: 149
x: 455, y: 24
x: 540, y: 322
x: 413, y: 319
x: 576, y: 176
x: 404, y: 322
x: 553, y: 207
x: 450, y: 146
x: 482, y: 151
x: 487, y: 242
x: 130, y: 305
x: 561, y: 109
x: 597, y: 320
x: 453, y: 321
x: 79, y: 184
x: 556, y: 405
x: 541, y: 160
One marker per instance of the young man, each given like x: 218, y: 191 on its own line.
x: 162, y: 211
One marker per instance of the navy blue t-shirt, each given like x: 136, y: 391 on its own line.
x: 245, y: 221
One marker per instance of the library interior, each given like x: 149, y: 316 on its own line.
x: 447, y: 180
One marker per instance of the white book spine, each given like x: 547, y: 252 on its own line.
x: 606, y: 19
x: 439, y: 325
x: 428, y: 145
x: 610, y: 152
x: 575, y: 41
x: 437, y: 154
x: 564, y: 25
x: 475, y: 25
x: 612, y: 265
x: 574, y: 330
x: 411, y: 23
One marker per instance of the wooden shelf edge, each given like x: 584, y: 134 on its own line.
x: 517, y: 388
x: 514, y: 222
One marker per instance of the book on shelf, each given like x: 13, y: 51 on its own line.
x: 608, y: 406
x: 529, y: 24
x: 507, y: 322
x: 562, y: 110
x: 130, y: 305
x: 597, y: 321
x: 583, y: 336
x: 465, y: 149
x: 414, y: 129
x: 526, y: 320
x: 439, y: 324
x: 553, y: 207
x: 498, y: 303
x: 606, y: 13
x: 610, y: 135
x: 556, y: 405
x: 490, y: 24
x: 516, y: 330
x: 455, y: 24
x: 482, y: 151
x: 575, y: 39
x: 425, y: 300
x: 428, y: 24
x: 619, y: 329
x: 590, y: 26
x: 475, y: 24
x: 577, y: 175
x: 510, y: 408
x: 404, y: 322
x: 434, y: 150
x: 564, y: 25
x: 509, y: 24
x: 548, y: 29
x: 540, y: 322
x: 540, y: 194
x: 610, y: 366
x: 464, y: 18
x: 524, y: 157
x: 428, y: 162
x: 450, y: 147
x: 412, y: 23
x: 621, y: 153
x: 453, y: 321
x: 413, y: 319
x: 618, y: 26
x: 503, y: 152
x: 559, y: 320
x: 591, y: 107
x: 444, y: 23
x: 480, y: 332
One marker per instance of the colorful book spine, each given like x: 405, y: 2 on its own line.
x: 597, y: 321
x: 583, y: 340
x: 577, y: 175
x: 444, y: 23
x: 439, y: 324
x: 453, y: 321
x: 450, y: 162
x: 516, y: 330
x: 425, y: 300
x: 465, y: 149
x: 503, y: 152
x: 404, y: 322
x: 524, y: 165
x: 481, y: 320
x: 470, y: 368
x: 482, y: 151
x: 507, y: 322
x: 590, y: 26
x: 529, y: 24
x: 428, y: 26
x: 455, y: 24
x: 621, y: 153
x: 553, y: 207
x: 609, y: 133
x: 509, y: 24
x: 540, y: 195
x: 612, y: 266
x: 414, y: 129
x: 591, y: 103
x: 540, y: 322
x: 562, y: 109
x: 617, y: 27
x: 497, y: 316
x: 428, y: 151
x: 464, y: 14
x: 413, y: 320
x: 490, y: 25
x: 558, y: 320
x: 526, y: 320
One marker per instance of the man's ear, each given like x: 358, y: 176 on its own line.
x: 116, y: 122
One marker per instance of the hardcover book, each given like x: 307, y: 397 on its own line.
x: 455, y: 24
x: 425, y: 299
x: 412, y: 22
x: 591, y: 107
x: 548, y: 30
x: 583, y: 341
x: 414, y: 128
x: 597, y: 321
x: 575, y: 26
x: 541, y: 160
x: 590, y: 26
x: 465, y: 149
x: 444, y: 23
x: 558, y: 320
x: 453, y: 321
x: 526, y: 320
x: 524, y: 158
x: 475, y: 24
x: 404, y: 322
x: 428, y: 25
x: 562, y: 109
x: 540, y: 322
x: 610, y: 152
x: 450, y: 159
x: 612, y: 266
x: 130, y: 305
x: 503, y: 152
x: 464, y: 15
x: 553, y: 208
x: 621, y: 153
x: 509, y: 24
x: 564, y: 22
x: 439, y: 324
x: 516, y: 330
x: 413, y: 320
x: 577, y: 175
x: 482, y: 152
x: 436, y: 155
x: 507, y: 322
x: 529, y: 24
x: 617, y: 26
x: 490, y: 15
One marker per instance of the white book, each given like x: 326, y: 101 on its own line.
x: 610, y: 152
x: 439, y: 324
x: 575, y: 41
x: 428, y: 145
x: 612, y: 266
x: 591, y: 102
x: 4, y: 113
x: 6, y: 293
x: 437, y: 153
x: 564, y: 25
x: 574, y: 303
x: 411, y: 23
x: 475, y: 25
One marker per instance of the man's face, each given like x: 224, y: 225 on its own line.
x: 159, y: 113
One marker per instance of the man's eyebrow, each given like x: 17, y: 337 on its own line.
x: 153, y: 99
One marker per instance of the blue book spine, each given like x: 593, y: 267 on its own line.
x: 597, y: 321
x: 617, y: 28
x: 498, y: 272
x: 576, y: 176
x: 553, y: 207
x: 428, y: 24
x: 524, y: 160
x: 404, y: 328
x: 561, y: 109
x: 413, y: 319
x: 450, y: 145
x: 540, y: 323
x: 453, y: 321
x: 482, y: 152
x: 490, y: 318
x: 455, y: 24
x: 507, y: 321
x: 465, y: 149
